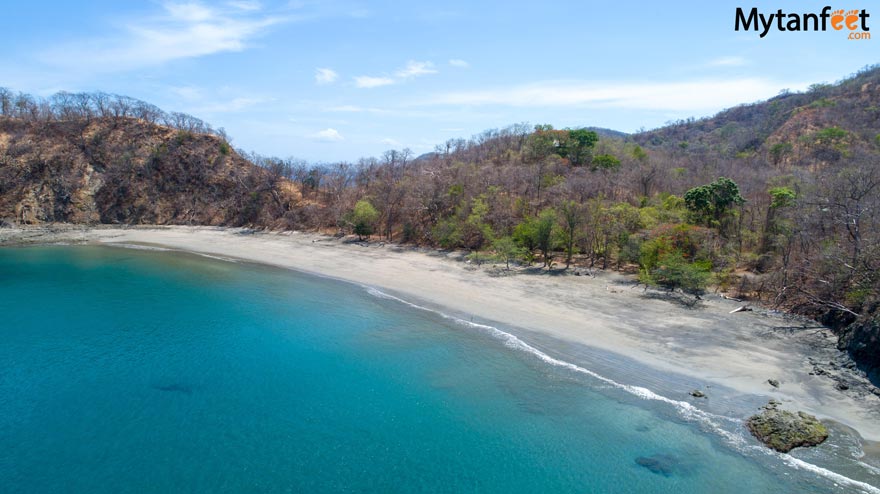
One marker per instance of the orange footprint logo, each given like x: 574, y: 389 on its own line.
x: 837, y: 20
x: 852, y: 19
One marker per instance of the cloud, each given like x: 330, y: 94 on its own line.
x: 366, y: 81
x: 327, y: 135
x: 679, y: 96
x: 391, y: 142
x: 411, y: 70
x: 457, y: 62
x: 728, y: 62
x: 415, y: 69
x: 182, y: 30
x: 245, y: 5
x: 325, y: 76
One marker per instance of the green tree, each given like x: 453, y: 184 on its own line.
x: 710, y: 203
x: 363, y: 218
x: 537, y: 234
x: 639, y: 154
x: 475, y: 232
x: 507, y: 250
x: 605, y: 162
x: 775, y: 227
x: 526, y: 237
x: 580, y: 145
x: 544, y: 235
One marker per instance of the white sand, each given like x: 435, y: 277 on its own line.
x: 740, y: 351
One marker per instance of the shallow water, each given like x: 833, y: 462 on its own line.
x: 139, y: 371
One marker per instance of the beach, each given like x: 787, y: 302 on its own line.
x: 602, y: 310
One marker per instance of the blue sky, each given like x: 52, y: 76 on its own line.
x: 328, y: 81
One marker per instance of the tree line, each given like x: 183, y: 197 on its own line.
x: 84, y: 107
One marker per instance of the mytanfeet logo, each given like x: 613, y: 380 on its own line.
x: 853, y: 21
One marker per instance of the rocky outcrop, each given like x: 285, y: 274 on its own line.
x: 783, y: 430
x: 861, y: 340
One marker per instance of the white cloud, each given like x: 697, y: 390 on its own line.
x: 245, y: 5
x: 411, y: 70
x: 679, y: 96
x: 457, y: 62
x: 327, y: 135
x: 189, y: 12
x: 416, y: 69
x: 366, y: 81
x: 325, y: 76
x: 728, y: 62
x: 183, y: 30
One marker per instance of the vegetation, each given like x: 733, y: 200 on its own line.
x: 363, y: 218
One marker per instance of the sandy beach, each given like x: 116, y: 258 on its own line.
x: 740, y: 351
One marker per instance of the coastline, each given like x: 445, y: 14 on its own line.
x: 738, y: 351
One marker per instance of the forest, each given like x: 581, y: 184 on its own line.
x: 775, y: 201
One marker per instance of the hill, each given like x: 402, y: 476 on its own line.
x: 105, y: 159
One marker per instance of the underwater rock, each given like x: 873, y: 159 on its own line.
x: 661, y: 464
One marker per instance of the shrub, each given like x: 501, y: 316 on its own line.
x: 673, y: 271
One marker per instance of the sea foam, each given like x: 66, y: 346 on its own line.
x: 684, y: 409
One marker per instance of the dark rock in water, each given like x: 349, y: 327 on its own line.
x: 842, y: 386
x: 783, y: 430
x: 698, y: 394
x: 773, y: 382
x: 178, y: 388
x: 661, y: 464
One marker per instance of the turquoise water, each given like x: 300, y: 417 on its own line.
x: 136, y: 371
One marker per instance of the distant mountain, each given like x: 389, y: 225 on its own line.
x: 785, y: 129
x: 608, y: 133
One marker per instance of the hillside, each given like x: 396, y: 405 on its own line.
x: 57, y: 165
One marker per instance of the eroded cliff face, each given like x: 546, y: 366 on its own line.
x: 131, y: 172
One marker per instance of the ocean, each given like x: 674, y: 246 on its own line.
x: 126, y: 370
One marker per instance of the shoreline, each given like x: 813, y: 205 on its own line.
x: 738, y: 351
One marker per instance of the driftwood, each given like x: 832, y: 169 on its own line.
x: 742, y: 308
